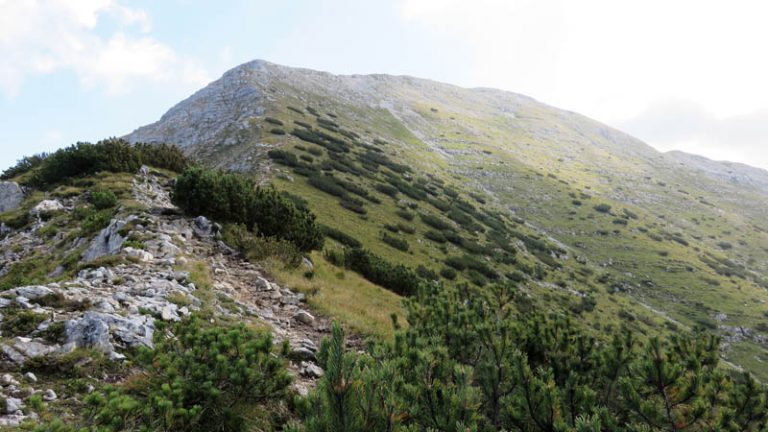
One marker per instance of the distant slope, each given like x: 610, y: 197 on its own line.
x: 739, y: 174
x: 590, y: 220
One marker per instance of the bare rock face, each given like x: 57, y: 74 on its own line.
x: 234, y: 98
x: 108, y: 242
x: 11, y: 196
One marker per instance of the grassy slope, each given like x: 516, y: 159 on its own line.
x: 530, y: 162
x: 520, y: 169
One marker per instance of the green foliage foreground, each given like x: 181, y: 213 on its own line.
x: 471, y: 361
x: 198, y: 379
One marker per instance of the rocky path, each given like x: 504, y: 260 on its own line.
x: 240, y: 287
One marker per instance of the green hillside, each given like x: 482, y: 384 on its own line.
x: 478, y: 185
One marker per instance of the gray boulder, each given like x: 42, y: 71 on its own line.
x: 108, y: 242
x: 202, y: 226
x: 50, y: 395
x: 33, y: 292
x: 311, y: 370
x: 20, y: 349
x: 94, y: 328
x: 304, y: 317
x: 11, y: 196
x: 12, y: 405
x: 90, y: 331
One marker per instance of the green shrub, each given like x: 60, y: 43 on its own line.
x: 396, y: 242
x: 277, y: 131
x: 315, y: 151
x: 113, y: 155
x: 386, y: 189
x: 353, y: 205
x: 435, y: 236
x: 234, y: 198
x: 408, y: 229
x: 23, y: 166
x: 394, y: 277
x: 435, y: 222
x: 328, y: 185
x: 426, y: 273
x: 223, y: 373
x: 448, y: 273
x: 274, y: 121
x: 283, y: 157
x: 340, y: 236
x: 103, y: 199
x: 322, y: 139
x: 17, y: 322
x: 257, y: 248
x: 603, y: 208
x: 94, y: 221
x: 405, y: 214
x: 477, y: 278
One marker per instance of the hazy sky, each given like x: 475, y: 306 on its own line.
x: 681, y: 74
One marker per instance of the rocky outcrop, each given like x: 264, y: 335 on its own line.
x: 11, y: 196
x: 108, y: 242
x: 46, y: 207
x: 114, y: 310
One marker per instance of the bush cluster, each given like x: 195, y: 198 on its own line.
x: 341, y: 236
x: 114, y: 155
x: 103, y: 199
x: 394, y: 277
x: 234, y: 198
x: 197, y: 378
x: 258, y: 248
x: 396, y: 242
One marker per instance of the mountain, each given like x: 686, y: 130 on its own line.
x: 675, y: 240
x: 324, y: 253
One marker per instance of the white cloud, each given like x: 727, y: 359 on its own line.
x: 687, y: 126
x: 612, y: 60
x: 45, y: 36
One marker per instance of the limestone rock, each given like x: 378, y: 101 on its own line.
x: 46, y: 206
x: 32, y: 292
x: 311, y: 370
x: 202, y: 226
x: 50, y: 395
x: 20, y: 349
x: 108, y: 242
x: 304, y: 317
x: 88, y: 332
x: 139, y: 254
x: 11, y: 196
x: 12, y: 405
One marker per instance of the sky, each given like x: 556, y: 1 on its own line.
x: 685, y: 74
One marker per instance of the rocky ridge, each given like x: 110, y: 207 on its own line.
x: 113, y: 309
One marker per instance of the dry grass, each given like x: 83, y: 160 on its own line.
x: 361, y: 306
